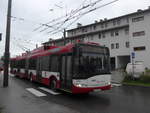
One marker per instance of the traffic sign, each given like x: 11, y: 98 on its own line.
x: 133, y: 54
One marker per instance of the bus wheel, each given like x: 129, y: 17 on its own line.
x: 53, y: 84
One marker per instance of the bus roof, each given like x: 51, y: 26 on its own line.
x: 48, y: 50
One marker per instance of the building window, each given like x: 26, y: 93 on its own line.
x: 91, y: 37
x: 114, y: 22
x: 116, y: 33
x: 112, y: 34
x: 103, y: 35
x: 112, y: 46
x: 127, y: 44
x: 74, y: 32
x: 127, y: 19
x: 137, y: 19
x: 141, y: 33
x: 118, y: 21
x: 106, y: 25
x: 99, y: 36
x: 126, y: 31
x: 117, y: 45
x: 141, y: 48
x: 94, y: 27
x: 102, y: 25
x: 82, y: 29
x: 90, y: 28
x: 85, y: 29
x: 71, y: 32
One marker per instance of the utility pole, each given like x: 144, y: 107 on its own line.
x: 7, y: 44
x: 64, y: 36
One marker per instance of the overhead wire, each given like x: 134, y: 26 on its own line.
x: 69, y: 15
x: 84, y: 13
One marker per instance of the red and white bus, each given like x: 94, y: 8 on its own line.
x: 75, y: 68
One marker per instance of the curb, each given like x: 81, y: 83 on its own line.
x: 138, y: 85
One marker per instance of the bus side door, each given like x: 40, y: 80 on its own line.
x: 66, y: 72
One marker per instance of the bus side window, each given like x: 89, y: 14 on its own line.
x: 32, y: 63
x: 54, y: 63
x: 45, y: 63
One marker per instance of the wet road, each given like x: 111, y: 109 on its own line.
x: 123, y: 99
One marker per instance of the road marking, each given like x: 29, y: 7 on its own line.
x: 12, y: 75
x: 35, y: 92
x: 49, y: 91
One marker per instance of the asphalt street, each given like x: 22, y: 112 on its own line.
x: 19, y: 97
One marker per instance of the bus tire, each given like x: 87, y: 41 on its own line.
x: 53, y: 84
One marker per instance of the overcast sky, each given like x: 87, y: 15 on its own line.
x: 32, y: 13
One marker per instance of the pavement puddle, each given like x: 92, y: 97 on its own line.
x: 49, y: 91
x: 35, y: 92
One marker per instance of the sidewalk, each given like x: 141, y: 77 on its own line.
x: 117, y: 76
x: 15, y: 99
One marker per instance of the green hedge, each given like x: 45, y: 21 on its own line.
x: 142, y: 81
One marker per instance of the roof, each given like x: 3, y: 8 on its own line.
x: 41, y: 52
x: 134, y: 13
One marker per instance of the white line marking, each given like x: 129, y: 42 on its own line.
x: 12, y: 75
x: 49, y: 91
x: 35, y: 92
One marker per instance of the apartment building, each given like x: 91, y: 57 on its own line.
x: 123, y: 35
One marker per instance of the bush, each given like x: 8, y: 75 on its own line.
x: 142, y: 79
x: 145, y: 79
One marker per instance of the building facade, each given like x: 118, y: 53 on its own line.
x: 123, y: 35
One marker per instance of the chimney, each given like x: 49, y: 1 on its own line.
x: 36, y: 45
x: 79, y: 24
x: 101, y: 20
x: 96, y: 21
x: 139, y: 10
x: 105, y: 19
x: 50, y: 39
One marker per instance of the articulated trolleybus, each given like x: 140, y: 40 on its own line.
x: 75, y: 68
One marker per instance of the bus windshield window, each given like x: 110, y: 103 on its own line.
x: 90, y: 64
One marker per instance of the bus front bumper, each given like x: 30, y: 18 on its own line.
x: 78, y: 90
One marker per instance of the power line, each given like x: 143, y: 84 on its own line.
x: 20, y: 46
x: 82, y: 14
x: 69, y: 15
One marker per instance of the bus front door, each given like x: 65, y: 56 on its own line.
x: 66, y: 72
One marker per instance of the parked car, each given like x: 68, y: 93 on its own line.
x: 136, y: 69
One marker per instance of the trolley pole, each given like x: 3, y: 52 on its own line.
x: 7, y: 44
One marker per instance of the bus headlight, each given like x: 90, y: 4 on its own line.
x: 81, y: 85
x: 109, y: 83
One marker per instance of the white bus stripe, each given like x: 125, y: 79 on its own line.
x: 116, y: 84
x: 49, y: 91
x: 35, y: 92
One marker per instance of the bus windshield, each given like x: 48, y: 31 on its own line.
x: 89, y: 64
